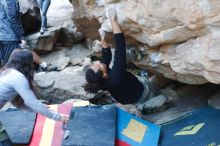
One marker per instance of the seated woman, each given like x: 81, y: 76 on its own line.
x: 121, y: 84
x: 16, y: 79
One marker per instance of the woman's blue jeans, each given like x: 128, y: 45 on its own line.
x: 44, y: 5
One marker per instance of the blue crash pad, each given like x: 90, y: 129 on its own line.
x: 19, y: 125
x: 133, y: 131
x: 91, y: 126
x: 199, y: 128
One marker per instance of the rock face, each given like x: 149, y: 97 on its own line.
x: 68, y: 81
x: 61, y: 28
x: 59, y: 15
x: 199, y: 56
x: 183, y: 34
x: 30, y: 15
x: 76, y: 55
x: 59, y: 12
x: 60, y: 86
x: 44, y: 43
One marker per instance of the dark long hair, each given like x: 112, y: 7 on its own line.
x: 94, y: 81
x: 22, y: 61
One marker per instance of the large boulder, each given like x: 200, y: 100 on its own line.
x: 180, y: 37
x: 68, y: 82
x: 69, y: 34
x: 154, y: 22
x: 194, y: 61
x: 63, y: 57
x: 60, y: 14
x: 44, y: 43
x: 198, y: 57
x: 61, y: 28
x: 63, y: 85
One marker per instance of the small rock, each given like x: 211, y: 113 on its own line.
x: 132, y: 109
x: 62, y: 63
x: 45, y: 84
x: 215, y: 101
x: 42, y: 82
x: 155, y: 102
x: 68, y: 84
x: 44, y: 43
x: 102, y: 98
x: 171, y: 95
x: 96, y: 47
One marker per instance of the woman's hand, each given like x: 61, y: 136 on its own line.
x: 64, y: 118
x: 110, y: 13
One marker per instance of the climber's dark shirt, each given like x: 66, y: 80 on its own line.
x: 121, y: 84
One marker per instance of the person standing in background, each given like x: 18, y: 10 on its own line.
x: 44, y: 5
x: 12, y: 33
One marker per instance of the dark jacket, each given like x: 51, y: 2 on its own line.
x: 121, y: 84
x: 10, y: 23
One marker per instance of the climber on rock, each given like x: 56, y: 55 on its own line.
x: 123, y: 86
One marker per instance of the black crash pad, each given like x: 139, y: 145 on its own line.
x: 19, y: 125
x: 198, y: 128
x: 91, y: 126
